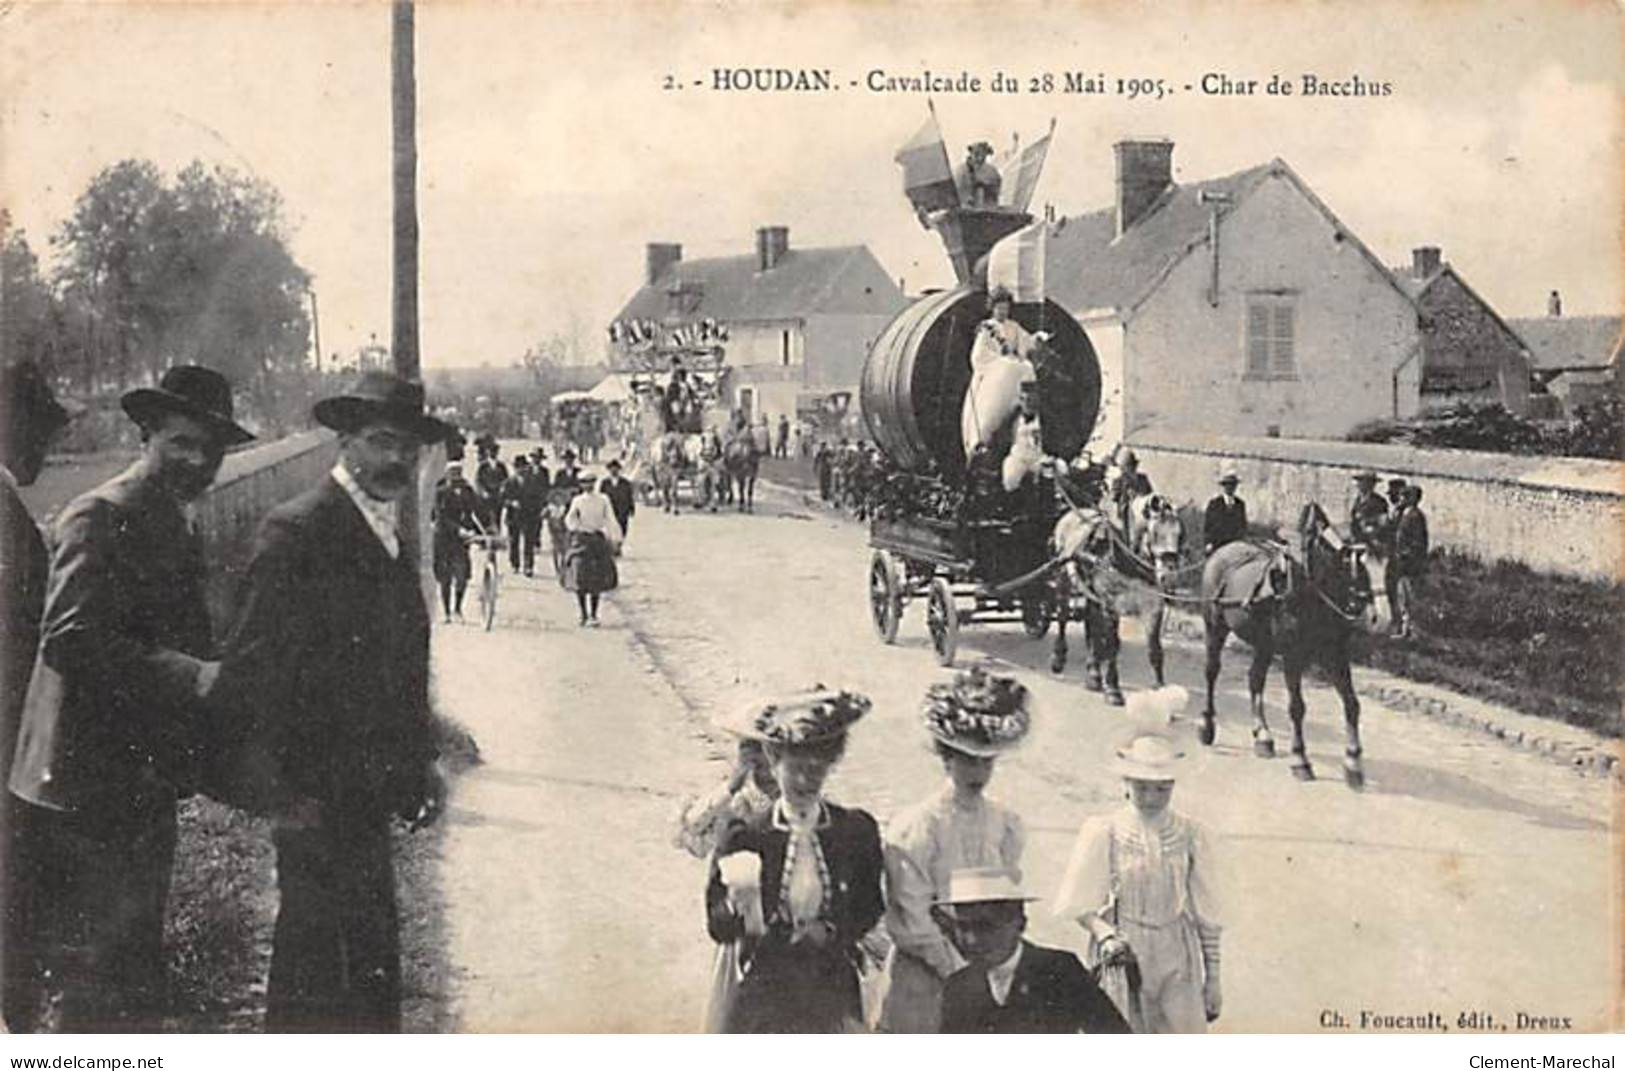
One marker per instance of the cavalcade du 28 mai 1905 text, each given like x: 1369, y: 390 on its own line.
x: 1077, y: 82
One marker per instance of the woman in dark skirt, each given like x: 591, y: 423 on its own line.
x: 589, y: 560
x: 799, y: 886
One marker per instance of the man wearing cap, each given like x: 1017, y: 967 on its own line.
x: 29, y: 418
x: 1410, y: 561
x: 110, y: 736
x: 324, y: 696
x: 455, y: 518
x: 1368, y: 515
x: 1010, y: 985
x: 621, y: 499
x: 1226, y: 518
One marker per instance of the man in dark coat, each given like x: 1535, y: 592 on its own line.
x: 1368, y: 514
x: 454, y: 516
x: 1226, y: 518
x: 489, y: 480
x: 324, y: 704
x: 29, y: 418
x: 621, y: 499
x: 1410, y: 561
x: 111, y: 732
x: 1010, y: 985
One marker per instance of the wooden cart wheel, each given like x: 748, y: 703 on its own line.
x: 885, y: 596
x: 1035, y: 615
x: 942, y: 619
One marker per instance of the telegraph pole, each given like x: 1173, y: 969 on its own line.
x: 403, y: 113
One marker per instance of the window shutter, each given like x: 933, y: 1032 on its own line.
x: 1258, y: 340
x: 1284, y: 362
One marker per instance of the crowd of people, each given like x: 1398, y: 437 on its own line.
x: 825, y: 922
x: 587, y: 517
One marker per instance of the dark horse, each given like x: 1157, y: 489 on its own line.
x: 1304, y: 605
x: 742, y: 458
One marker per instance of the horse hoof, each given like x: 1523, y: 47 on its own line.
x: 1354, y: 777
x: 1304, y: 772
x: 1264, y: 749
x: 1114, y: 698
x: 1207, y: 732
x: 1057, y: 666
x: 1092, y: 683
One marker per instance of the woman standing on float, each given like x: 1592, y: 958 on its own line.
x: 799, y: 886
x: 972, y: 720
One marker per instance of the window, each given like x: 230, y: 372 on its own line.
x: 1271, y: 331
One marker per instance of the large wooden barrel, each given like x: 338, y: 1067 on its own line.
x: 918, y: 370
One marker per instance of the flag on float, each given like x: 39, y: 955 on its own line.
x: 1017, y: 263
x: 1005, y: 164
x: 1020, y: 184
x: 928, y: 178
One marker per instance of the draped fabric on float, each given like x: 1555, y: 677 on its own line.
x: 1017, y: 264
x: 1020, y: 184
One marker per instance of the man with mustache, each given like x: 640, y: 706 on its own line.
x: 323, y: 702
x: 110, y: 737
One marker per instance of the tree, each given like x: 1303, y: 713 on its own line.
x: 26, y: 307
x: 195, y: 271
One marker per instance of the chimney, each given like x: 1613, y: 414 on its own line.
x: 771, y: 245
x: 1144, y: 170
x: 1554, y: 304
x: 658, y: 257
x: 1425, y: 261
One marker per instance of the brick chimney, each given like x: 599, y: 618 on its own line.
x: 1554, y: 304
x: 659, y: 256
x: 1425, y: 261
x: 771, y: 245
x: 1144, y: 170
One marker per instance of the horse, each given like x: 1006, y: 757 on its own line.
x: 742, y: 461
x: 1088, y: 551
x: 1158, y: 539
x: 671, y: 463
x: 1303, y: 602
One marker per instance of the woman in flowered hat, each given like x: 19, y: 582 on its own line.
x: 972, y: 720
x: 799, y: 886
x: 1141, y: 884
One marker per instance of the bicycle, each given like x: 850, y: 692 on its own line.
x: 490, y: 576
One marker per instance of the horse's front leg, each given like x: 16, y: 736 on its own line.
x: 1111, y: 645
x: 1063, y: 613
x: 1353, y: 768
x: 1257, y: 674
x: 1292, y: 671
x: 1153, y: 640
x: 1214, y: 636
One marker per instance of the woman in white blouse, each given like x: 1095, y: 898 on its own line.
x: 972, y: 720
x: 589, y: 560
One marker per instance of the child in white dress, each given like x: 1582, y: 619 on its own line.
x: 1140, y: 882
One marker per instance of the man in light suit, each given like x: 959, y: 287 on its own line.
x: 111, y: 736
x: 29, y: 418
x: 1010, y: 985
x: 323, y: 701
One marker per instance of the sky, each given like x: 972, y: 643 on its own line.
x: 550, y: 151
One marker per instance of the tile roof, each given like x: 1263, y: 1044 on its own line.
x: 1570, y: 341
x: 834, y: 279
x: 1089, y: 267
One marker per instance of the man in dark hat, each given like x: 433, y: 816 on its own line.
x: 111, y: 733
x: 324, y: 705
x: 1225, y: 519
x: 621, y: 499
x: 568, y: 478
x: 1409, y: 565
x: 489, y: 479
x: 1368, y: 515
x: 1010, y: 985
x: 29, y: 418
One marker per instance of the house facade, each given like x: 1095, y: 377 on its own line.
x: 1469, y: 354
x: 798, y: 321
x: 1239, y: 305
x: 1575, y: 360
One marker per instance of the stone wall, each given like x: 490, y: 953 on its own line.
x: 1555, y: 515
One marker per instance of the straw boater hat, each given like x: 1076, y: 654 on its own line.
x: 815, y: 716
x: 386, y: 397
x: 982, y: 885
x: 978, y: 713
x: 192, y: 391
x: 1149, y: 753
x: 1228, y: 476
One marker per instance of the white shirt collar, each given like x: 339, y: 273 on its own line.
x: 382, y: 517
x: 1002, y: 977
